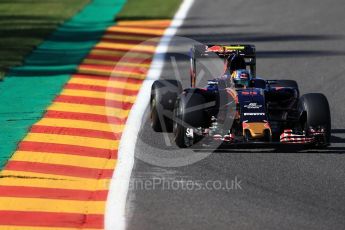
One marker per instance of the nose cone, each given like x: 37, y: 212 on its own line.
x: 256, y: 129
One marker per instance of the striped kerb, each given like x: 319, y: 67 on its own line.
x: 59, y: 175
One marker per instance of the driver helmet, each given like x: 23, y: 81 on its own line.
x: 241, y: 77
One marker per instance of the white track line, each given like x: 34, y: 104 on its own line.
x: 116, y: 202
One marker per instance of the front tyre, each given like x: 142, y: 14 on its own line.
x: 163, y: 97
x: 188, y: 115
x: 315, y: 113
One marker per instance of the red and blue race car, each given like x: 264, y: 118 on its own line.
x: 238, y: 107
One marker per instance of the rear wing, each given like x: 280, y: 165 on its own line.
x: 222, y: 51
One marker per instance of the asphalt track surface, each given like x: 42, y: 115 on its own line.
x: 300, y: 40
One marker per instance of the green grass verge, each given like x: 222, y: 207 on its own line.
x: 149, y: 9
x: 29, y: 89
x: 25, y: 23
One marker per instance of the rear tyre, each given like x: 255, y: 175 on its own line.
x: 163, y: 97
x: 188, y: 115
x: 315, y: 112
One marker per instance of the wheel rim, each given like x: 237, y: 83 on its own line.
x: 180, y: 129
x: 175, y: 118
x: 153, y: 110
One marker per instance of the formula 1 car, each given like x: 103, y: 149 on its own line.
x: 238, y: 108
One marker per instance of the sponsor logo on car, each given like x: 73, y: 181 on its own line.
x: 254, y: 114
x: 253, y: 105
